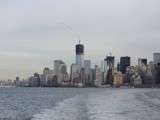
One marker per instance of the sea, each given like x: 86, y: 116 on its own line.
x: 79, y: 104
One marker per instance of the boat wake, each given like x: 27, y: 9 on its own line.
x: 69, y: 109
x: 104, y: 106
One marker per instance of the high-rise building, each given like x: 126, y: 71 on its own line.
x: 98, y: 76
x: 142, y: 61
x: 34, y: 81
x: 133, y: 77
x: 80, y: 54
x: 118, y: 66
x: 17, y: 81
x: 156, y: 58
x: 124, y: 63
x: 37, y: 78
x: 63, y: 75
x: 60, y: 70
x: 117, y: 79
x: 75, y: 74
x: 52, y: 81
x: 44, y: 77
x: 57, y: 63
x: 46, y: 71
x: 87, y: 66
x: 82, y: 77
x: 108, y: 69
x: 88, y: 76
x: 157, y: 75
x: 109, y: 76
x: 109, y: 62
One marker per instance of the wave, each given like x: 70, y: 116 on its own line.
x: 115, y: 105
x: 86, y: 107
x: 69, y: 109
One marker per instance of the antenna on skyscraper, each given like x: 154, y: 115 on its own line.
x: 79, y: 38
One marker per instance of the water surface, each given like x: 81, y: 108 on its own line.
x: 79, y: 104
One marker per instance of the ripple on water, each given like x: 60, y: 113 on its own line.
x: 70, y: 109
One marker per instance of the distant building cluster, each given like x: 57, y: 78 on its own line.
x: 109, y: 74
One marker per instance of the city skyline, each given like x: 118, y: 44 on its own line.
x: 33, y: 34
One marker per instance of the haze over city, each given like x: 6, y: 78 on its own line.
x: 34, y: 33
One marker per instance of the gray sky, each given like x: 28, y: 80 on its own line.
x: 35, y: 32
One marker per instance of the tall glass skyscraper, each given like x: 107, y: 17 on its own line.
x: 80, y: 54
x: 124, y: 63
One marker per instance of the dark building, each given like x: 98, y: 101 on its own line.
x: 37, y: 79
x: 109, y: 77
x: 82, y: 76
x: 34, y: 81
x: 52, y: 81
x: 80, y: 54
x: 142, y: 61
x: 124, y: 63
x: 157, y: 74
x: 110, y: 61
x: 118, y: 66
x: 79, y: 49
x: 17, y: 81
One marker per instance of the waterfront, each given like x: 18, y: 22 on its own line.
x: 79, y: 104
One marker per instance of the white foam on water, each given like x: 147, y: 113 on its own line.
x: 108, y: 106
x: 112, y: 105
x: 121, y: 105
x: 69, y: 109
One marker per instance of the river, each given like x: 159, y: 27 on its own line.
x: 79, y: 104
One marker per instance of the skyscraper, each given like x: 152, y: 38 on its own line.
x: 109, y: 61
x: 98, y: 76
x: 75, y: 74
x: 46, y: 71
x: 80, y: 54
x: 109, y: 67
x: 57, y: 63
x: 87, y: 64
x: 124, y: 63
x: 157, y: 74
x: 60, y: 70
x: 156, y: 58
x: 87, y: 67
x: 142, y: 61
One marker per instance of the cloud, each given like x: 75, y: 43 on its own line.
x: 38, y: 30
